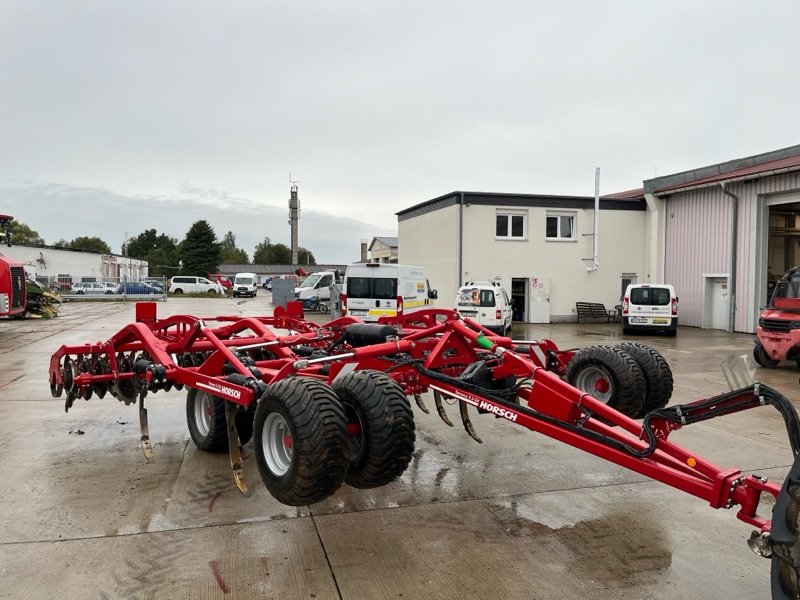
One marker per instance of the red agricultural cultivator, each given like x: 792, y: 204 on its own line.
x: 330, y: 404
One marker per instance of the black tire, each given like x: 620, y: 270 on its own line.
x: 205, y: 416
x: 377, y: 405
x: 657, y: 375
x: 611, y: 376
x: 178, y: 291
x: 762, y: 358
x: 301, y: 441
x: 785, y: 570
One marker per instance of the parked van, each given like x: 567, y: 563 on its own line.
x: 317, y: 284
x: 650, y: 307
x: 487, y: 303
x: 245, y: 284
x: 185, y: 284
x: 373, y: 290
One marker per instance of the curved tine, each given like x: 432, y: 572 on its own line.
x: 421, y: 404
x: 437, y: 398
x: 468, y: 427
x: 235, y: 451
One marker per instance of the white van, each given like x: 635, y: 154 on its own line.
x: 373, y: 290
x: 487, y: 303
x: 650, y: 307
x: 245, y: 284
x: 317, y: 284
x: 185, y: 284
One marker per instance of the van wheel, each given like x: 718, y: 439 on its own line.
x: 610, y: 375
x: 178, y: 291
x: 762, y: 358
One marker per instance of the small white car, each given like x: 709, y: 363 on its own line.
x: 82, y: 288
x: 487, y: 303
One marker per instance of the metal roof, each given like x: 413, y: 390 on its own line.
x: 740, y: 169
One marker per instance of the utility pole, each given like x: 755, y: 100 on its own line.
x: 294, y: 218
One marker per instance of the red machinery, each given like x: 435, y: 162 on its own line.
x: 329, y: 404
x: 778, y: 331
x: 12, y: 277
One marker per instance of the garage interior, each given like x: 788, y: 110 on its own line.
x: 783, y: 242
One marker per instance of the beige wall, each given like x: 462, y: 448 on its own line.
x: 431, y: 241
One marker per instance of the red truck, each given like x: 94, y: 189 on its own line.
x: 222, y: 280
x: 12, y: 277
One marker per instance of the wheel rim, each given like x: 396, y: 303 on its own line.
x: 355, y: 433
x: 277, y: 442
x: 597, y: 382
x: 202, y: 413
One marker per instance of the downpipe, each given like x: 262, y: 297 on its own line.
x: 734, y: 244
x: 596, y: 225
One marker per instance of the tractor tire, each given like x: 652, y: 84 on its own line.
x: 301, y: 441
x: 657, y: 375
x: 762, y: 358
x: 205, y: 416
x: 376, y: 407
x: 611, y: 376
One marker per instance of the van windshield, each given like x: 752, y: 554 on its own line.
x: 650, y: 296
x: 310, y: 281
x: 243, y: 281
x: 372, y: 287
x: 475, y: 297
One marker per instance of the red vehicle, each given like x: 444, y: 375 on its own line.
x: 222, y: 279
x: 12, y: 278
x: 778, y: 328
x: 327, y: 405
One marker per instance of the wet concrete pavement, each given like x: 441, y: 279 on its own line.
x: 519, y: 516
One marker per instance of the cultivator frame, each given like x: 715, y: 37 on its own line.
x: 252, y: 379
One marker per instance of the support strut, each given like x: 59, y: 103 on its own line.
x: 234, y: 450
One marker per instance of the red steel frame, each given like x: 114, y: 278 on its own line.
x: 438, y: 341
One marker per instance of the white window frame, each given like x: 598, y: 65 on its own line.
x: 510, y: 214
x: 558, y: 214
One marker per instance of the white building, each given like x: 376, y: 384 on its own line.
x: 540, y: 247
x: 56, y: 265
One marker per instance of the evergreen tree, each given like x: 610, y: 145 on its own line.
x: 199, y: 250
x: 305, y: 257
x: 261, y: 253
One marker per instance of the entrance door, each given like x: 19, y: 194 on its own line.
x: 519, y: 304
x: 719, y: 304
x: 540, y: 300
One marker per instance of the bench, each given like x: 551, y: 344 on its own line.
x: 594, y: 310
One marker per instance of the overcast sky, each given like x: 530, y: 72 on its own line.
x: 116, y: 117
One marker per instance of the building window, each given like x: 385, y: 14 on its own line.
x: 510, y: 225
x: 560, y: 226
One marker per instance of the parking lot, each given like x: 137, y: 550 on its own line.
x: 519, y: 516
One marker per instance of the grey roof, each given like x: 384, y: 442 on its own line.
x: 521, y: 201
x: 391, y: 242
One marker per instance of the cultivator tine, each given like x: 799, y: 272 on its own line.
x: 437, y: 398
x: 421, y: 404
x: 234, y: 450
x: 147, y: 448
x: 468, y: 427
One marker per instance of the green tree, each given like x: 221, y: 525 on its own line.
x: 93, y: 244
x: 261, y: 252
x: 62, y: 243
x: 267, y: 253
x: 199, y: 250
x: 160, y: 251
x: 230, y: 254
x: 305, y: 257
x: 23, y: 234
